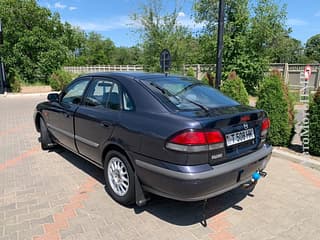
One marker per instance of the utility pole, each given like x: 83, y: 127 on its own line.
x: 220, y: 44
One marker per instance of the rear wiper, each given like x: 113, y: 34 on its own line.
x: 167, y: 93
x: 204, y: 108
x: 188, y: 87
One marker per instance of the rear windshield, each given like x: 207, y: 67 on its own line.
x: 189, y: 94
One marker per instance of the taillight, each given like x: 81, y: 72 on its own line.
x: 214, y: 137
x: 265, y: 126
x: 196, y: 141
x: 190, y: 138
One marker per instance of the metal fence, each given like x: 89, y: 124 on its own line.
x: 105, y: 68
x: 290, y: 72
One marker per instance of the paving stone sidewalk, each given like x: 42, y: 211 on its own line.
x: 57, y: 195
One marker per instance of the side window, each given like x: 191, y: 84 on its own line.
x: 98, y: 93
x: 75, y: 91
x: 105, y: 94
x: 127, y: 102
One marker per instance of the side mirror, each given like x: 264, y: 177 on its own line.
x: 53, y: 97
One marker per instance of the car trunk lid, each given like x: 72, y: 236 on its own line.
x: 240, y: 126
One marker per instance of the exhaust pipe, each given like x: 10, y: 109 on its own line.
x: 254, y: 178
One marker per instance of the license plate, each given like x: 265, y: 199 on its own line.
x: 239, y: 137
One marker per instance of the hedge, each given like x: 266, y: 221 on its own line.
x: 273, y: 100
x: 234, y: 88
x: 314, y: 124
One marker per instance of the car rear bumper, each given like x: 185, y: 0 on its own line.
x: 193, y: 183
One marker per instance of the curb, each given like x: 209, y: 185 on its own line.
x: 24, y: 94
x: 304, y: 160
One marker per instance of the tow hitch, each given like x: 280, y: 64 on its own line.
x: 254, y: 178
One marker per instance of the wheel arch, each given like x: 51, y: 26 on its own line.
x: 118, y: 148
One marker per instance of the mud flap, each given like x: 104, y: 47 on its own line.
x: 141, y: 199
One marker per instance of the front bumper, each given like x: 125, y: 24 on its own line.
x: 192, y: 185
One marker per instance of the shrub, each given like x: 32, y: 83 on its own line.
x: 59, y: 79
x: 234, y: 88
x: 15, y: 81
x: 190, y: 72
x: 314, y: 124
x: 288, y: 96
x: 209, y: 76
x: 273, y: 100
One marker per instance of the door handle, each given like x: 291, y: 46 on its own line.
x: 105, y: 124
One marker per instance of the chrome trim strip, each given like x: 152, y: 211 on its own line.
x: 87, y: 141
x: 68, y: 134
x: 187, y: 148
x: 194, y: 148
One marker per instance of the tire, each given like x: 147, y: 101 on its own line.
x: 120, y: 186
x: 45, y: 138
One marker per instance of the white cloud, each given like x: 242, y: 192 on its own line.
x: 181, y: 14
x: 71, y: 8
x: 187, y: 21
x: 296, y: 22
x: 120, y: 22
x: 58, y: 5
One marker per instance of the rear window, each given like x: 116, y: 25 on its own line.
x: 188, y: 93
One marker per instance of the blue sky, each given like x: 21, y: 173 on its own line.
x: 111, y: 18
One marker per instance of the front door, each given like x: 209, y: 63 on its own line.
x: 60, y: 118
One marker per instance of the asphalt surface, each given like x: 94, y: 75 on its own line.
x: 57, y: 195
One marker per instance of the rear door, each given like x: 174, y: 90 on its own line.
x: 96, y: 117
x: 60, y: 117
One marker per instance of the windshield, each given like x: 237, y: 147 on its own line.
x: 191, y: 94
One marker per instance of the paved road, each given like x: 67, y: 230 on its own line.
x: 56, y: 195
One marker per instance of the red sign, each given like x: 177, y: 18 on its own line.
x: 307, y: 72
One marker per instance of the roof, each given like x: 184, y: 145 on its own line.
x: 132, y: 75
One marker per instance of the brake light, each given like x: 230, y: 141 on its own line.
x: 189, y: 138
x: 196, y: 141
x: 265, y: 126
x: 245, y: 118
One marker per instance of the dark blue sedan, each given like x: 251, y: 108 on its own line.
x: 168, y: 135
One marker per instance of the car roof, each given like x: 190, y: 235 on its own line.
x: 132, y: 75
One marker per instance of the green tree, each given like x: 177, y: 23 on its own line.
x: 268, y: 27
x: 289, y: 50
x: 127, y: 56
x: 313, y: 48
x: 35, y: 43
x: 94, y: 49
x: 249, y: 36
x: 160, y: 30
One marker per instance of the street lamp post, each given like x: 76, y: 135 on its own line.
x: 220, y: 44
